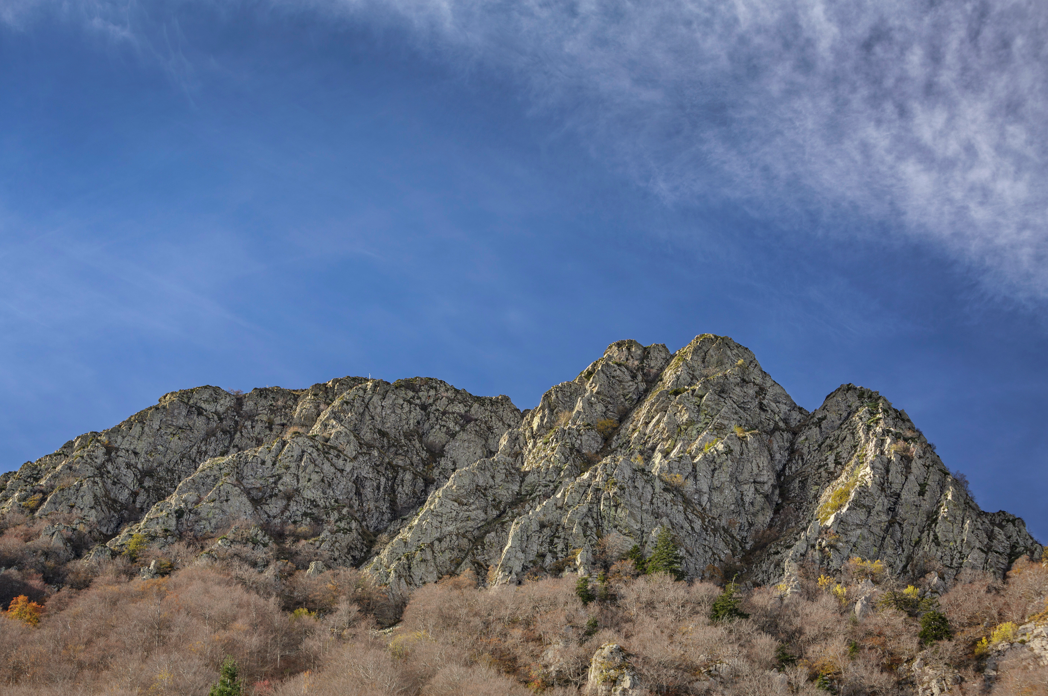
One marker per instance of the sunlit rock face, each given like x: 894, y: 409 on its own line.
x: 704, y: 443
x: 333, y: 465
x: 416, y: 479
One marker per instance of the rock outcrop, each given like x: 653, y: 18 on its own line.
x: 639, y: 441
x: 417, y: 480
x: 881, y: 491
x: 1028, y: 641
x: 610, y: 673
x: 333, y: 465
x: 703, y: 443
x: 105, y: 480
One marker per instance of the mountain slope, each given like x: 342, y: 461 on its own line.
x: 706, y: 445
x: 884, y: 493
x: 417, y: 480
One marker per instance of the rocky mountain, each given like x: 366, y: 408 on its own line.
x: 705, y: 444
x: 336, y: 463
x: 416, y: 480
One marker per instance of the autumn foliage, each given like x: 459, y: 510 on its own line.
x: 23, y: 610
x: 280, y: 630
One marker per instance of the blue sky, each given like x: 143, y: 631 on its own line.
x: 282, y: 192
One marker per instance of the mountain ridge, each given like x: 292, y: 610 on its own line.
x: 415, y: 479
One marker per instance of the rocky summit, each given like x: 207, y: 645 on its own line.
x: 416, y: 480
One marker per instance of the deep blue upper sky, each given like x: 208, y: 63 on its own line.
x: 279, y: 193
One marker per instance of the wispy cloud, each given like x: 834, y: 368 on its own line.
x: 931, y: 117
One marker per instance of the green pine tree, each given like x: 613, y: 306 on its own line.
x: 934, y: 627
x: 635, y: 555
x: 583, y: 590
x: 726, y: 607
x: 666, y: 558
x: 229, y: 683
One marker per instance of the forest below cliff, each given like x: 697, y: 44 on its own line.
x: 664, y: 524
x: 163, y: 622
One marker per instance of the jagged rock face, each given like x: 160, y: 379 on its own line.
x: 882, y: 492
x: 335, y: 463
x: 103, y: 480
x: 371, y: 456
x: 639, y: 441
x: 419, y: 480
x: 706, y: 444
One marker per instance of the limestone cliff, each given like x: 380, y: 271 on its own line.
x: 703, y: 443
x: 337, y: 463
x: 417, y: 480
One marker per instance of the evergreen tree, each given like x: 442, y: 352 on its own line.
x: 934, y: 627
x: 666, y: 558
x: 639, y: 564
x: 583, y: 590
x: 726, y: 606
x: 229, y: 683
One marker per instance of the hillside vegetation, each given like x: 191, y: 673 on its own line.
x: 664, y: 523
x: 107, y: 630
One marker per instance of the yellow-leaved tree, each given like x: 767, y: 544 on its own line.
x: 24, y: 610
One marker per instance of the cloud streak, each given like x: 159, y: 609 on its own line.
x: 928, y: 118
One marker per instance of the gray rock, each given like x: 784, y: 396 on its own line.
x: 639, y: 441
x: 706, y: 444
x: 862, y: 481
x: 863, y: 607
x: 373, y: 454
x: 417, y: 480
x: 149, y: 572
x: 1037, y: 642
x: 932, y: 679
x: 1030, y: 643
x: 936, y: 586
x: 105, y: 480
x: 611, y: 674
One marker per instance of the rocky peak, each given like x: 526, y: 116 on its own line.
x: 417, y: 479
x: 692, y: 442
x: 705, y: 444
x: 882, y: 492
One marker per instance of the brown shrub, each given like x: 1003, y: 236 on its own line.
x: 889, y: 637
x: 974, y: 606
x: 476, y: 680
x: 112, y: 632
x: 1026, y: 590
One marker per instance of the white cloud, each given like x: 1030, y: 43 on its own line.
x: 930, y: 116
x: 934, y: 115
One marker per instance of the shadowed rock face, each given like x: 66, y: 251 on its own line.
x: 418, y: 480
